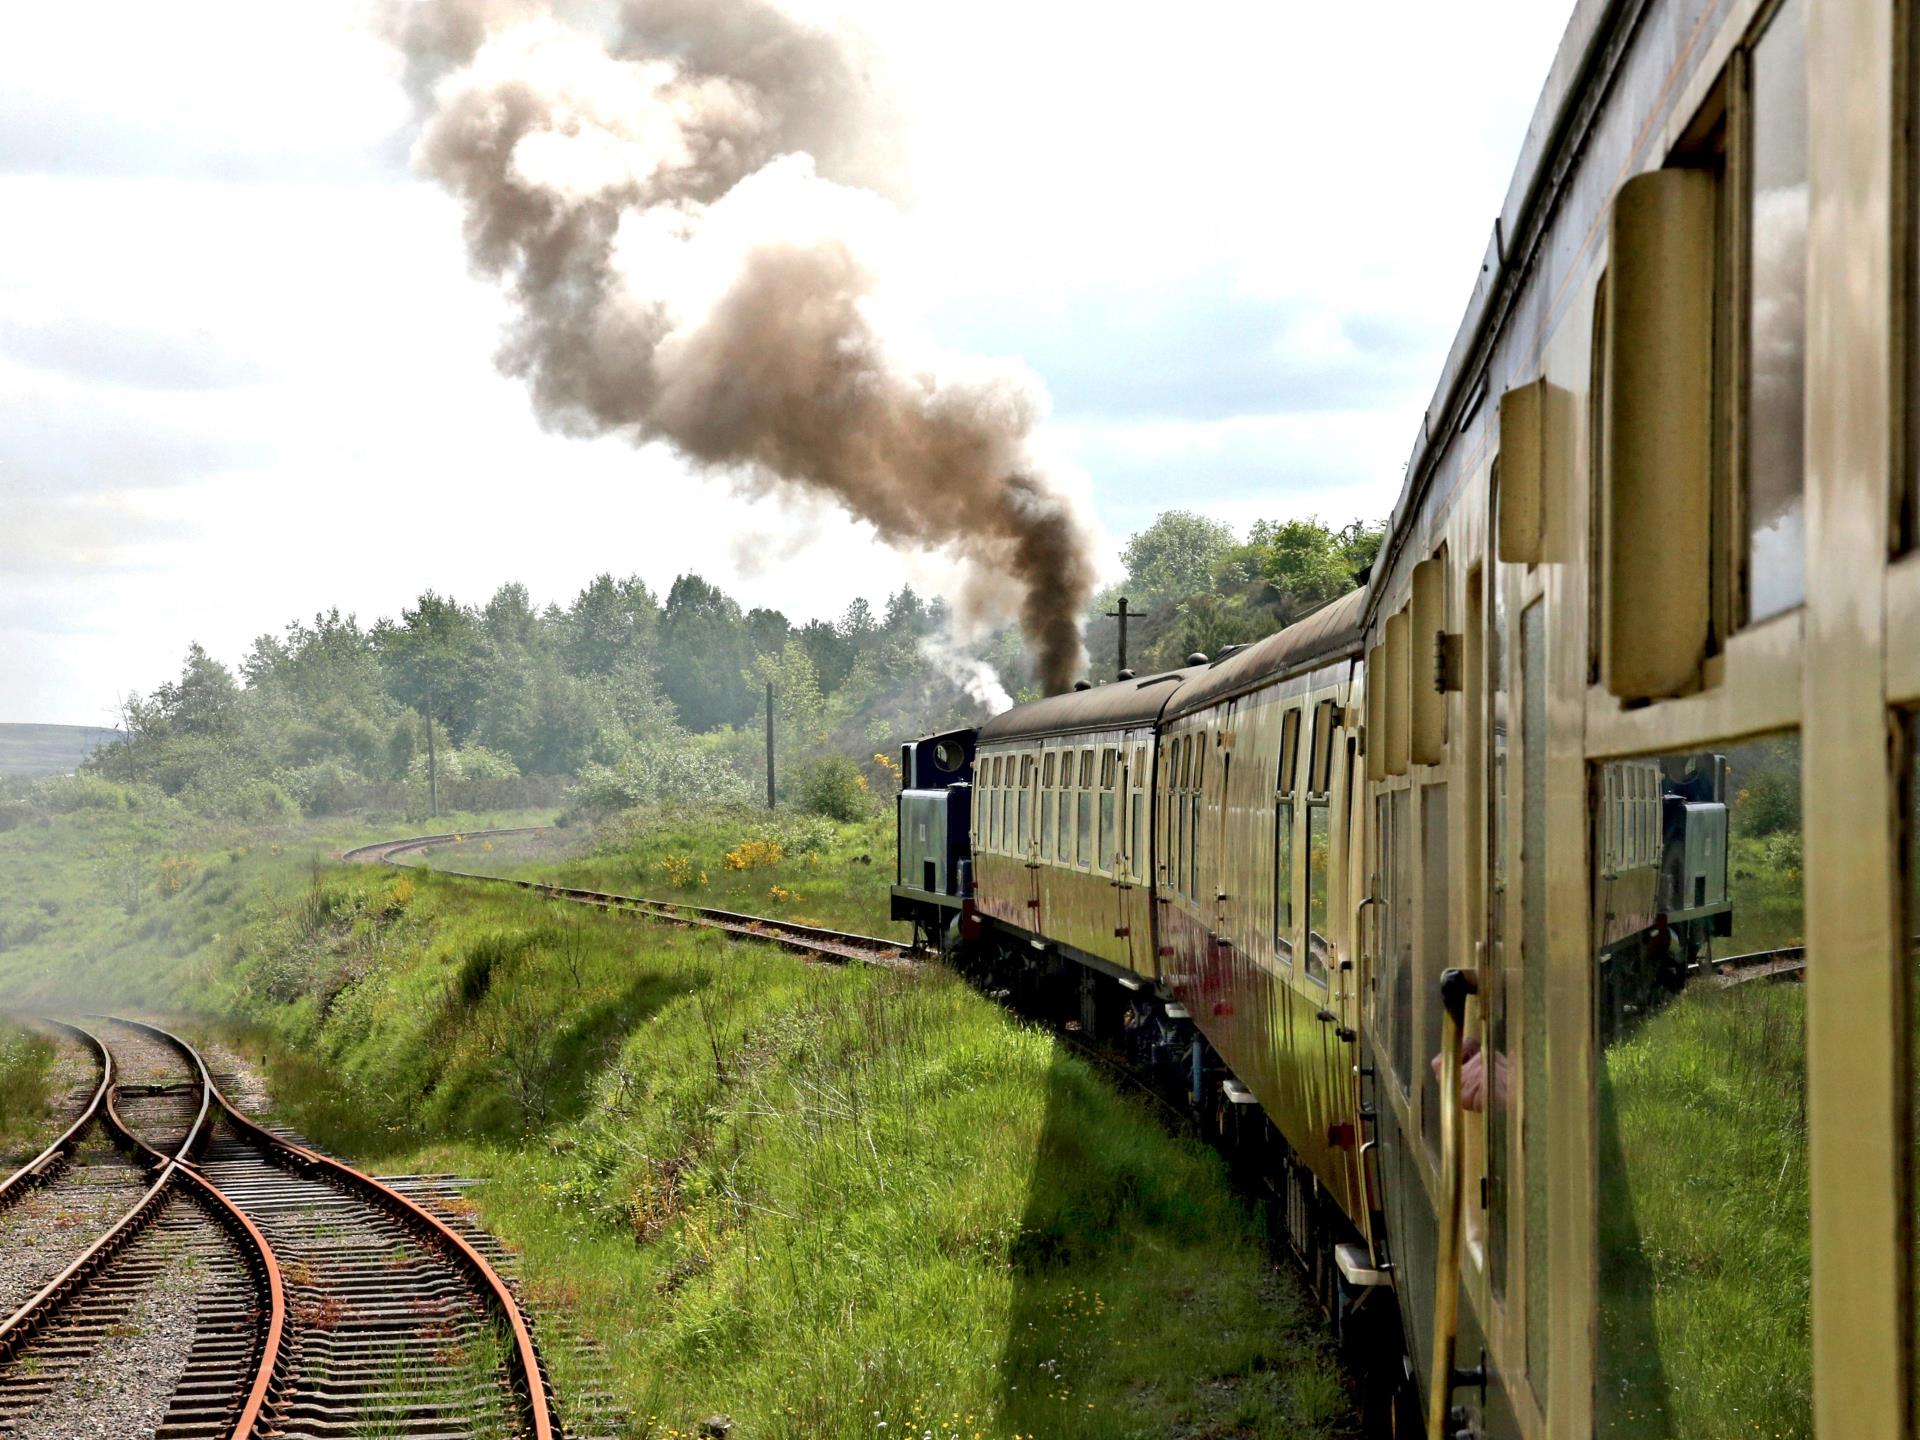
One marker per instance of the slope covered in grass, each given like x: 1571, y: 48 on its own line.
x: 824, y: 1201
x: 784, y: 864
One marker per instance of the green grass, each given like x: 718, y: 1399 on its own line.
x: 1704, y: 1265
x: 812, y: 1198
x: 804, y: 868
x: 26, y: 1069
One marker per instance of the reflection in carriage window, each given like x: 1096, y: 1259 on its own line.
x: 1400, y: 935
x: 1777, y: 318
x: 1083, y: 800
x: 1046, y: 808
x: 1701, y: 1015
x: 1063, y: 849
x: 1911, y: 929
x: 1319, y: 856
x: 1283, y: 880
x: 1436, y: 951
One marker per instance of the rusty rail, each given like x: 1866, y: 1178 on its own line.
x: 528, y: 1375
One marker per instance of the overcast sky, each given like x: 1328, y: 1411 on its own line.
x: 246, y: 375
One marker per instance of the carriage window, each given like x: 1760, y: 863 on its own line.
x: 1503, y: 986
x: 1193, y: 816
x: 1777, y: 319
x: 1436, y: 950
x: 1046, y: 808
x: 1108, y: 765
x: 1083, y: 813
x: 1319, y: 863
x: 1533, y: 981
x: 1283, y: 880
x: 1697, y: 975
x: 1063, y: 848
x: 1026, y: 787
x: 1911, y: 929
x: 1400, y: 934
x: 993, y: 805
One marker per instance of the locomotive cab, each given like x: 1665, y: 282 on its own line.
x: 935, y: 813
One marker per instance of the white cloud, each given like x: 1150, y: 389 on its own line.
x: 248, y: 376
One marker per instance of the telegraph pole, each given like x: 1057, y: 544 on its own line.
x: 769, y: 745
x: 1123, y: 615
x: 433, y: 765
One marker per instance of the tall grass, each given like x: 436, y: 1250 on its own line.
x: 26, y: 1072
x: 1704, y: 1263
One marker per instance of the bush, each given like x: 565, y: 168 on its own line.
x: 834, y: 787
x: 659, y: 773
x: 1768, y: 804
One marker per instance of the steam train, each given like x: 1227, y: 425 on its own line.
x: 1662, y: 514
x: 1172, y: 862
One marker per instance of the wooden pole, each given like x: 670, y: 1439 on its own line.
x: 769, y: 745
x: 433, y: 760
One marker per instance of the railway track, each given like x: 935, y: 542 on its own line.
x: 169, y: 1267
x: 814, y: 941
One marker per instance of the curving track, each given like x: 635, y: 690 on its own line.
x: 814, y: 941
x: 170, y: 1268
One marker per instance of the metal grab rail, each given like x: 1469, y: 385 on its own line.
x: 1455, y: 987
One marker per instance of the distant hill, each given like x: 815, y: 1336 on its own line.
x: 49, y: 749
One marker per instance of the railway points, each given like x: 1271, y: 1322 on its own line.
x: 204, y: 1276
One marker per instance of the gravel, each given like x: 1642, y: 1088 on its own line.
x: 49, y: 1227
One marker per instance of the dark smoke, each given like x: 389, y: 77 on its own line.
x: 688, y: 220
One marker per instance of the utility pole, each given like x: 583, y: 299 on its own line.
x: 433, y: 760
x: 1123, y: 615
x: 769, y: 745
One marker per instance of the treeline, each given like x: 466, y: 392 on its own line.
x: 640, y: 700
x: 620, y: 698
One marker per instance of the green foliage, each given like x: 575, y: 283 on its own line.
x: 835, y: 787
x: 1175, y: 556
x: 1204, y: 589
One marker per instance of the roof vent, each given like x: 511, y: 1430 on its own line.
x: 1229, y: 651
x: 1083, y: 685
x: 1197, y: 658
x: 1125, y: 675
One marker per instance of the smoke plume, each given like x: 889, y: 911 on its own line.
x: 689, y: 220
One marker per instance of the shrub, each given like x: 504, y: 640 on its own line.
x: 833, y: 786
x: 658, y: 773
x: 754, y: 855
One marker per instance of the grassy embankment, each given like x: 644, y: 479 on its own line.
x: 792, y: 866
x: 817, y: 1199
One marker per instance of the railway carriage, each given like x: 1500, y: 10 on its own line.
x: 1449, y: 890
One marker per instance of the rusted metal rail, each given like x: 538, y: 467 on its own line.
x: 328, y: 1302
x: 367, y: 1309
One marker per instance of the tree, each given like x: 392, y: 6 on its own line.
x: 1174, y: 557
x: 705, y: 654
x: 609, y: 624
x: 205, y: 702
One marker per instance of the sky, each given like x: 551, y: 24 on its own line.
x: 245, y: 374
